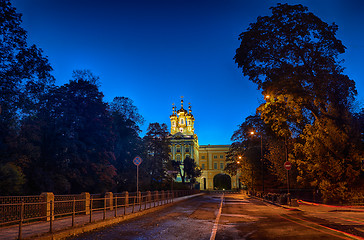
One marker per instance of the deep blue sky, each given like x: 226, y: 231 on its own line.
x: 156, y: 51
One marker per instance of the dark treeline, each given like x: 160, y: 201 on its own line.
x: 308, y: 115
x: 67, y: 139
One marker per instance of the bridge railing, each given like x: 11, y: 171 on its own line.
x: 49, y: 207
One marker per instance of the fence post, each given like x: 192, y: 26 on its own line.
x: 109, y: 203
x: 134, y: 204
x: 149, y: 199
x: 140, y: 199
x: 86, y: 196
x: 21, y: 219
x: 156, y: 198
x: 91, y: 209
x: 51, y: 218
x: 162, y: 197
x: 48, y: 209
x: 139, y: 196
x: 126, y: 200
x: 73, y: 211
x: 116, y: 206
x: 104, y: 208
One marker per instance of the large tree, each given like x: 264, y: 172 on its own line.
x: 292, y: 56
x: 24, y: 78
x: 294, y: 53
x: 68, y: 146
x: 128, y: 144
x: 157, y: 154
x: 24, y: 71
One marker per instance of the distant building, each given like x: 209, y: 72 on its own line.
x: 210, y: 158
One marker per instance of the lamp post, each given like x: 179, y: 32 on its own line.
x: 252, y: 174
x: 261, y: 156
x: 237, y: 173
x: 286, y: 148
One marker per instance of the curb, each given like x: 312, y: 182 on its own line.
x: 278, y: 205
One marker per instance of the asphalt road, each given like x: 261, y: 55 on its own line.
x: 238, y: 217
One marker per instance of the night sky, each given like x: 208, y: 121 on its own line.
x: 156, y: 51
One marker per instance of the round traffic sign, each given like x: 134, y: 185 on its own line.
x: 137, y: 160
x: 287, y: 166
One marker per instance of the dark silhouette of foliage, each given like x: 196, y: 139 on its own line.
x: 66, y: 139
x: 24, y: 78
x: 128, y: 144
x: 157, y: 154
x: 292, y: 56
x: 245, y: 153
x: 187, y: 169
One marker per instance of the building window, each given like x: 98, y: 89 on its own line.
x: 187, y: 149
x: 202, y: 157
x: 215, y: 165
x: 178, y: 149
x: 181, y: 120
x: 203, y: 166
x: 189, y: 123
x: 221, y: 156
x: 178, y: 157
x: 215, y: 156
x: 221, y: 166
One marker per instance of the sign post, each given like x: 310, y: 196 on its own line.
x: 287, y: 166
x: 137, y: 161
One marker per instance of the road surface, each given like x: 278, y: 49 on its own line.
x: 237, y: 217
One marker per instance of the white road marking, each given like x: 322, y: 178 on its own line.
x: 248, y: 234
x: 216, y: 224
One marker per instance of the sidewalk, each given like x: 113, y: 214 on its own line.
x: 62, y: 227
x: 339, y: 215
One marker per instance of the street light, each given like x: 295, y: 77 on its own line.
x: 261, y: 153
x: 237, y: 173
x: 252, y: 174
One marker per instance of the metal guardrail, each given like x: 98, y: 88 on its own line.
x: 22, y: 211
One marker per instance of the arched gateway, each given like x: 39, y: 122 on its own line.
x: 210, y: 158
x: 222, y: 182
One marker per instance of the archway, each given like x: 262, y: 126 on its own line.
x: 222, y: 182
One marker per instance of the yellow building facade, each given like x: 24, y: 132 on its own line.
x: 210, y: 158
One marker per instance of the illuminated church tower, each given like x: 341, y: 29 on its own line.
x: 210, y: 158
x: 184, y: 141
x: 182, y: 121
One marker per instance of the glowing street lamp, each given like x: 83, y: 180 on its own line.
x: 237, y: 172
x: 238, y: 162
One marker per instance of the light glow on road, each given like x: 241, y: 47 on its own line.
x: 321, y: 228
